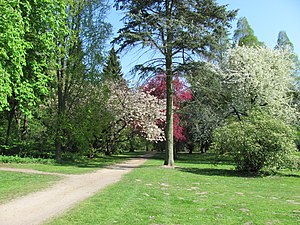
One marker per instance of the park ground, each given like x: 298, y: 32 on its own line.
x: 196, y: 191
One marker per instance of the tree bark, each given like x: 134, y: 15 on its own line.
x: 10, y: 120
x: 60, y: 112
x: 169, y: 160
x: 24, y: 129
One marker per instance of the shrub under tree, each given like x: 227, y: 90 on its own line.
x: 257, y: 142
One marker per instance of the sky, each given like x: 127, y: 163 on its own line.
x: 266, y: 17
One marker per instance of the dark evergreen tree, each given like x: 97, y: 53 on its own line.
x: 112, y: 69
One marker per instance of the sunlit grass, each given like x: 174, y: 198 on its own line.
x: 196, y: 192
x: 14, y: 184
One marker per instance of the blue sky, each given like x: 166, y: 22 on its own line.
x: 266, y: 17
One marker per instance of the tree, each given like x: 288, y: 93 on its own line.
x: 244, y: 34
x: 175, y: 30
x: 259, y: 77
x: 134, y: 110
x: 29, y: 29
x: 209, y: 105
x: 283, y: 42
x: 81, y: 58
x: 157, y: 87
x: 257, y: 86
x: 112, y: 69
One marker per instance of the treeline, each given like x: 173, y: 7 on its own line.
x: 52, y: 53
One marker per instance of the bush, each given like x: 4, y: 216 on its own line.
x: 257, y: 142
x: 18, y: 159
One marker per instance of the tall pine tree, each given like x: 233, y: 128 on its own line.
x: 177, y: 31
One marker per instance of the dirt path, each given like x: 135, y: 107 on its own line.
x: 38, y: 207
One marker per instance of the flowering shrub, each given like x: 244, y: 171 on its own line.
x: 137, y: 110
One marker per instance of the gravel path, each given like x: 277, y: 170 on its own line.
x: 41, y: 206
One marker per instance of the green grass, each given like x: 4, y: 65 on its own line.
x: 194, y: 193
x: 13, y: 184
x: 75, y: 166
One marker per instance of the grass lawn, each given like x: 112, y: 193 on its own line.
x: 13, y: 184
x: 77, y: 166
x: 194, y: 193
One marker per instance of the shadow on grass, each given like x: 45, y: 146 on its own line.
x: 217, y: 172
x: 98, y: 161
x: 234, y: 173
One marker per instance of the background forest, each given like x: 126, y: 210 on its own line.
x: 63, y: 93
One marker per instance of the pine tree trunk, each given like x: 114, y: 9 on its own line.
x: 169, y: 160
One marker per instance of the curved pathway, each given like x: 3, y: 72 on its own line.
x: 41, y: 206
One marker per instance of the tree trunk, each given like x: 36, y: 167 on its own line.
x: 10, y: 120
x: 60, y: 112
x: 169, y: 160
x: 24, y: 129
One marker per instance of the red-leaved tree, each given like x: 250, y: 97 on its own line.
x: 157, y: 87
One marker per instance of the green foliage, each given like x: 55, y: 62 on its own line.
x: 27, y: 41
x: 18, y: 159
x: 80, y: 65
x: 257, y: 142
x: 12, y: 49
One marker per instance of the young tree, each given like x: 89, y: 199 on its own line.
x: 244, y: 34
x: 134, y: 110
x: 175, y: 30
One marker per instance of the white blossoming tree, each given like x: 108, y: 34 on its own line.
x: 136, y: 110
x: 259, y: 77
x: 258, y: 82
